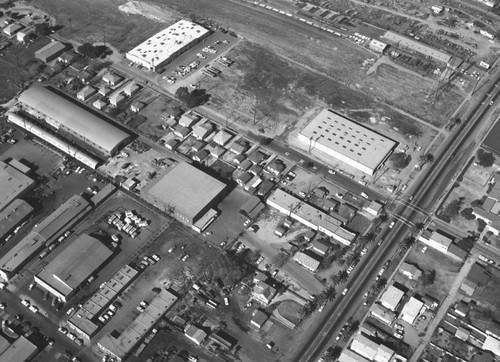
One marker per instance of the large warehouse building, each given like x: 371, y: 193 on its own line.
x: 187, y: 192
x: 164, y: 46
x: 63, y: 275
x: 13, y: 215
x: 13, y: 184
x: 64, y: 217
x: 347, y: 141
x: 73, y: 118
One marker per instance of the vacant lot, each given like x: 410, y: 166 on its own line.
x: 446, y: 271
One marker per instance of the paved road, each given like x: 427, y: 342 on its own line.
x: 431, y: 186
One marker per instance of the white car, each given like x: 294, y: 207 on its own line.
x: 424, y: 249
x: 25, y: 302
x: 391, y: 225
x: 156, y: 257
x: 483, y: 258
x: 344, y: 292
x: 366, y: 294
x: 33, y: 308
x: 226, y: 301
x: 321, y: 307
x: 364, y: 251
x: 350, y: 269
x: 71, y: 310
x: 63, y: 330
x: 171, y: 249
x: 332, y: 172
x: 398, y: 326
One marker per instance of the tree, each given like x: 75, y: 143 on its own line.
x: 356, y: 257
x: 343, y: 276
x: 427, y: 158
x: 485, y: 159
x: 429, y: 278
x: 481, y: 224
x: 467, y: 214
x: 453, y: 208
x: 335, y: 353
x: 408, y: 243
x: 42, y: 29
x: 380, y: 284
x: 193, y: 99
x: 418, y: 227
x: 400, y: 160
x: 92, y: 51
x: 368, y: 238
x: 330, y: 294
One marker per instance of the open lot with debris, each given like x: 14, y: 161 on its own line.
x: 445, y: 267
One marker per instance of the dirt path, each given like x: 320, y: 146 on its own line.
x: 443, y: 308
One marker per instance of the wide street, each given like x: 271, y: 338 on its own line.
x: 428, y: 189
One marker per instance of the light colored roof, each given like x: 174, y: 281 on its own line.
x: 20, y: 350
x: 112, y: 78
x: 186, y: 188
x: 404, y: 42
x: 382, y: 313
x: 439, y: 238
x: 307, y: 261
x: 202, y: 130
x: 12, y: 215
x: 364, y: 346
x: 222, y: 137
x: 492, y: 344
x: 350, y: 356
x: 411, y: 310
x: 74, y: 117
x: 194, y: 333
x: 87, y: 91
x: 391, y: 297
x: 320, y: 247
x: 348, y: 138
x: 75, y: 264
x: 18, y: 165
x: 410, y: 269
x: 168, y: 42
x: 12, y: 28
x: 259, y: 317
x: 12, y: 183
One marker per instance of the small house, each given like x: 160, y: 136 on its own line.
x: 112, y: 79
x: 86, y: 93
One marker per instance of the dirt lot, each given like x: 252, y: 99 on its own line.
x: 446, y: 271
x: 472, y: 187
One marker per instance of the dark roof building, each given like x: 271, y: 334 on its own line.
x: 478, y: 274
x: 50, y: 51
x: 13, y: 215
x: 491, y: 141
x: 76, y: 263
x: 13, y: 184
x: 74, y: 118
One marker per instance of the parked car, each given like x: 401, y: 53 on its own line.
x: 344, y: 292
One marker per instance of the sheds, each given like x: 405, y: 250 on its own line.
x: 13, y: 28
x: 258, y: 319
x: 391, y: 297
x: 308, y: 260
x: 410, y: 271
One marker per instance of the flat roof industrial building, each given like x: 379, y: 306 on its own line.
x: 120, y: 346
x: 75, y: 264
x: 164, y: 46
x: 13, y: 184
x: 70, y: 116
x: 50, y: 228
x: 187, y: 191
x: 347, y: 141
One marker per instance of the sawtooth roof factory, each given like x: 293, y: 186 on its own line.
x: 64, y: 274
x: 189, y: 193
x: 166, y: 45
x: 347, y: 141
x: 64, y: 217
x: 69, y: 117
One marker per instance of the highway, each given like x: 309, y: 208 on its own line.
x: 432, y: 184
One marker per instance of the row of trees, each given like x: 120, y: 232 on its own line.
x: 192, y: 99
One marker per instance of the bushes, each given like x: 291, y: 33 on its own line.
x: 485, y: 159
x: 400, y: 160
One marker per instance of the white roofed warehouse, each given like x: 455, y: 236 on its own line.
x: 347, y: 141
x: 71, y: 117
x: 166, y: 45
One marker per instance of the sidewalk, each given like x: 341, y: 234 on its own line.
x: 443, y: 308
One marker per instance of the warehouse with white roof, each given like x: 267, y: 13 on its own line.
x: 166, y: 45
x: 346, y: 141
